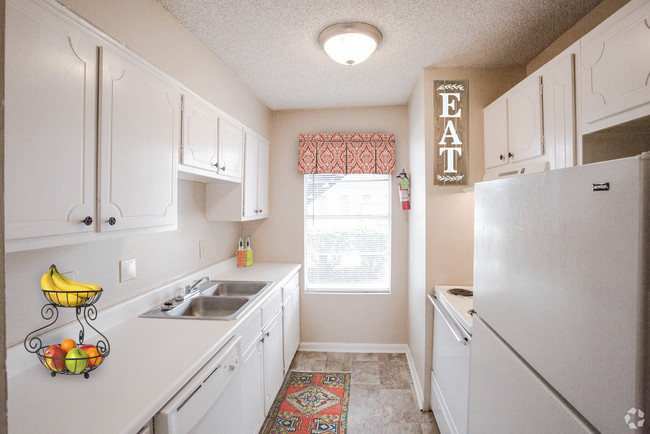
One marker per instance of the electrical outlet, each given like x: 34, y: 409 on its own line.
x: 127, y: 270
x: 201, y: 249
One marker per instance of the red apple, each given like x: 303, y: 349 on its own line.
x: 55, y: 358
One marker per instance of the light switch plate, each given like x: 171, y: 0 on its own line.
x: 127, y: 270
x: 201, y: 249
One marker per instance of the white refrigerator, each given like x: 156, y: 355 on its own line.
x: 561, y: 332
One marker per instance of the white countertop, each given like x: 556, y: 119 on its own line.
x: 150, y: 360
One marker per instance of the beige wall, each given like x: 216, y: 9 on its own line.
x: 448, y: 224
x: 417, y: 234
x: 368, y: 319
x: 151, y: 32
x: 596, y: 16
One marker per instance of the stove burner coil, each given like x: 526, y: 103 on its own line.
x: 461, y: 292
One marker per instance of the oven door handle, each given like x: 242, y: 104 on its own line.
x: 451, y: 323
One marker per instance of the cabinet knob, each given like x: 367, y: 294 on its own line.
x: 112, y: 221
x: 510, y: 155
x: 87, y: 221
x: 223, y: 168
x: 502, y: 157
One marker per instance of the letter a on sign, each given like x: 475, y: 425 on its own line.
x: 450, y: 126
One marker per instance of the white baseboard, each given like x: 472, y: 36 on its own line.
x: 417, y: 385
x: 335, y: 347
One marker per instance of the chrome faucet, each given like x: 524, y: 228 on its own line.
x: 191, y: 290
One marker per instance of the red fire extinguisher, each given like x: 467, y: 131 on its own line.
x: 404, y: 195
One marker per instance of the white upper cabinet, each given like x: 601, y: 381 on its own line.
x: 231, y: 136
x: 249, y: 200
x: 512, y: 124
x: 616, y: 67
x: 560, y: 134
x: 200, y: 134
x: 495, y: 132
x: 138, y: 145
x: 50, y: 99
x: 92, y: 134
x: 212, y: 143
x: 256, y: 177
x: 525, y: 139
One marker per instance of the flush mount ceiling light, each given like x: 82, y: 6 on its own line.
x: 350, y: 43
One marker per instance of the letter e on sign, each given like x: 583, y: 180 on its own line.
x: 451, y: 131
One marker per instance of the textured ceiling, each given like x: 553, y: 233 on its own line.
x: 273, y: 44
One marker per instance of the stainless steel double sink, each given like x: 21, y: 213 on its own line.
x: 215, y: 300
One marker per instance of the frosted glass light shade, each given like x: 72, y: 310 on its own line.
x: 350, y: 43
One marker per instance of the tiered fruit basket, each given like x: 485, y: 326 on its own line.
x: 84, y: 304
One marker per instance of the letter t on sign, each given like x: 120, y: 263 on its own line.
x: 451, y: 131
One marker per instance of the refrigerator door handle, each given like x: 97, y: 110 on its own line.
x: 449, y: 321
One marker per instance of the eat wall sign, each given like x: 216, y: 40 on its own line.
x: 451, y: 131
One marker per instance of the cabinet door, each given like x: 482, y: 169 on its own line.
x: 560, y: 109
x: 615, y: 68
x: 199, y: 134
x: 252, y: 386
x: 291, y: 327
x: 251, y: 149
x: 263, y: 178
x: 138, y: 145
x: 50, y: 106
x: 230, y: 148
x: 273, y: 359
x: 495, y: 133
x: 525, y: 120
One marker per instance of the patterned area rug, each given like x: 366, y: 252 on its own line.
x: 310, y: 403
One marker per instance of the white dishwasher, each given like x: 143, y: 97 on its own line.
x: 209, y: 401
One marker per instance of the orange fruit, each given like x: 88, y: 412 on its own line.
x: 68, y: 344
x: 93, y: 356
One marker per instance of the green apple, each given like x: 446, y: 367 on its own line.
x: 76, y: 360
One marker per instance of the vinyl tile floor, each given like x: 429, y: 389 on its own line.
x: 382, y: 398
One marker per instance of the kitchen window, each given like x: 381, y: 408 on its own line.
x: 347, y: 233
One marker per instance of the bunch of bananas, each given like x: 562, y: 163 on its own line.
x: 65, y: 292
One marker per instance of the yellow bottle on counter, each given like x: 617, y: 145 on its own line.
x: 249, y: 252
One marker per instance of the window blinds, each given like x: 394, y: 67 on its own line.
x: 347, y: 233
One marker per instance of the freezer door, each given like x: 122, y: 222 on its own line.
x: 507, y: 397
x: 561, y: 273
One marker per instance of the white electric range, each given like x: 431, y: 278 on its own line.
x: 452, y: 335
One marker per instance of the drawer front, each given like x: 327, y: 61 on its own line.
x: 271, y: 306
x: 251, y: 331
x: 291, y: 287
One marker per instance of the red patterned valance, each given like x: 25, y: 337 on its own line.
x: 346, y: 153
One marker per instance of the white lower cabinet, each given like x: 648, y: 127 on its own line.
x: 273, y: 360
x: 252, y: 386
x: 291, y: 319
